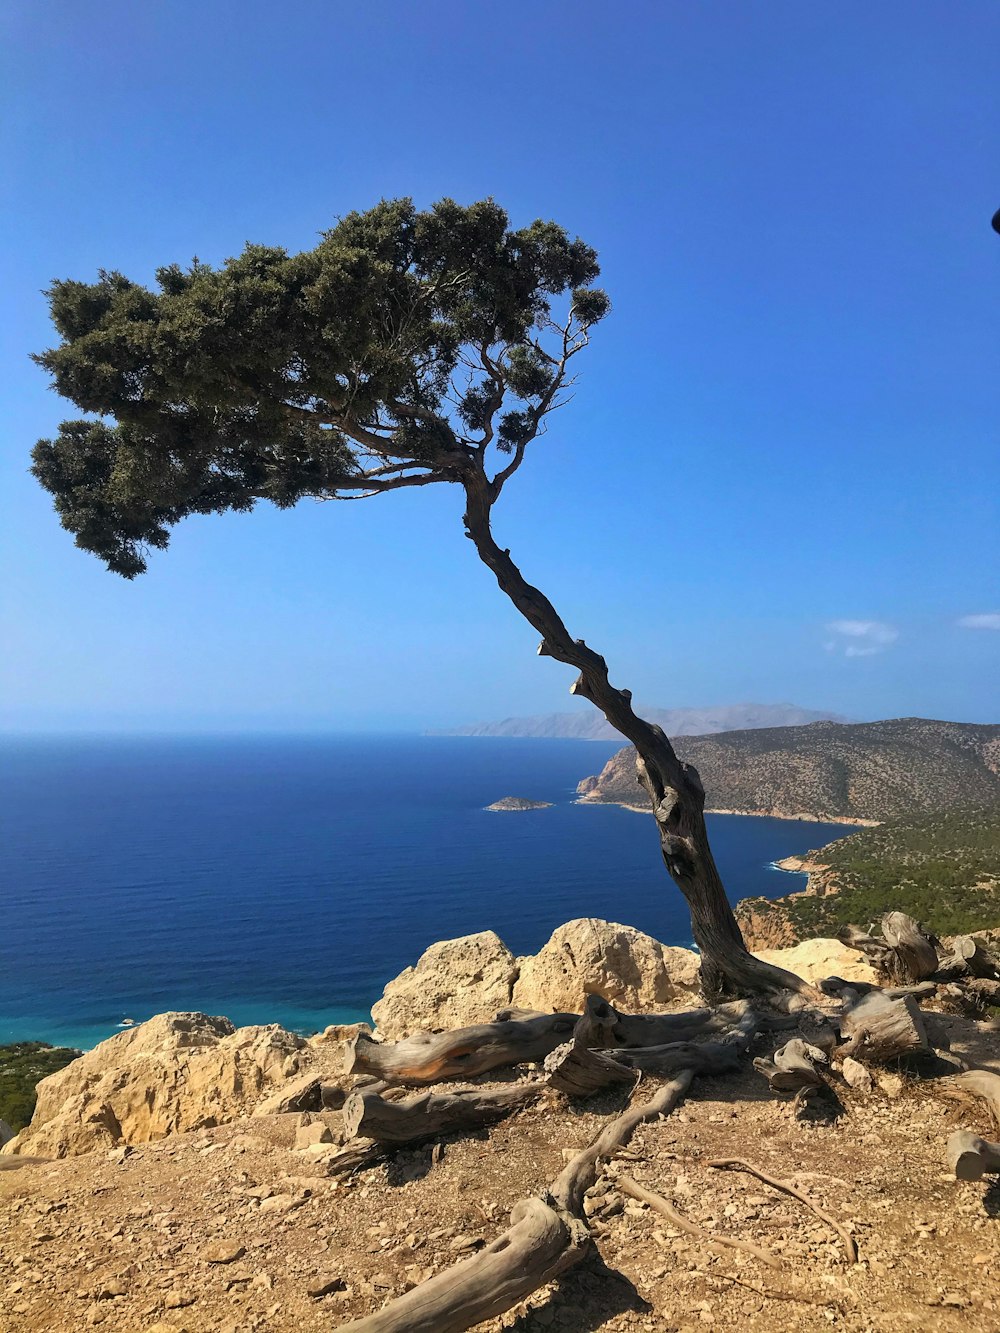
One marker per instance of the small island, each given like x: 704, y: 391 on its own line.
x: 518, y: 803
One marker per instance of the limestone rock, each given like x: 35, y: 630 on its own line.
x: 455, y: 983
x: 338, y: 1033
x: 303, y: 1093
x: 307, y: 1135
x: 619, y: 963
x: 176, y: 1072
x: 814, y: 960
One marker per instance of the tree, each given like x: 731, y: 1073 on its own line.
x: 408, y: 348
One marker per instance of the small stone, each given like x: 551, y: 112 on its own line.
x: 466, y: 1243
x: 321, y: 1287
x: 308, y: 1135
x: 858, y: 1077
x: 178, y: 1299
x: 223, y: 1252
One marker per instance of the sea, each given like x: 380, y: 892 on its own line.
x: 286, y: 879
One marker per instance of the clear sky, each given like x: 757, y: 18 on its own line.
x: 779, y: 478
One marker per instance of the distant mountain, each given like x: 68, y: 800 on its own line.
x: 591, y: 726
x: 867, y: 770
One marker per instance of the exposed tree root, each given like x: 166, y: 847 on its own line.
x: 547, y: 1236
x: 769, y: 1293
x: 737, y: 1164
x: 628, y: 1186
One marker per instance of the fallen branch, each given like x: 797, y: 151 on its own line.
x: 627, y: 1185
x: 737, y: 1164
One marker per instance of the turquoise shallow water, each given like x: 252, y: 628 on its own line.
x: 286, y: 879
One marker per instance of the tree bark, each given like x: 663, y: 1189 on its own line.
x: 676, y: 795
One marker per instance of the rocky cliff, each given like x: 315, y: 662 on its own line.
x: 864, y: 771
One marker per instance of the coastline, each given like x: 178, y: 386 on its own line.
x: 803, y: 816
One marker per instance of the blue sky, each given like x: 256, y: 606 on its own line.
x: 779, y: 478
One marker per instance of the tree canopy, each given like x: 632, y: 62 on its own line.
x: 408, y: 347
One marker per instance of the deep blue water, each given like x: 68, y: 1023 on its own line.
x: 287, y: 879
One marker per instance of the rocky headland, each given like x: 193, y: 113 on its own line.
x: 862, y: 773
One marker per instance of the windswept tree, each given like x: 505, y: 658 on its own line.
x: 407, y: 349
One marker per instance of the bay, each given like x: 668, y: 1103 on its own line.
x: 288, y: 878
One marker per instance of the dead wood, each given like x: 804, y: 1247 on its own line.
x: 428, y: 1115
x: 882, y: 1029
x: 578, y: 1071
x: 968, y: 958
x: 792, y: 1068
x: 837, y: 986
x: 904, y: 954
x: 981, y: 1083
x: 546, y: 1236
x: 430, y: 1057
x: 708, y: 1058
x: 970, y: 1158
x: 602, y: 1026
x: 786, y: 1187
x: 626, y: 1185
x: 358, y: 1155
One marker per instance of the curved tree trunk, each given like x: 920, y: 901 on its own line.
x: 674, y: 789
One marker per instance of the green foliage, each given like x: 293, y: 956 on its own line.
x: 942, y: 869
x: 393, y: 353
x: 22, y: 1066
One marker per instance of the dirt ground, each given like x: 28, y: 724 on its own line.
x: 233, y: 1229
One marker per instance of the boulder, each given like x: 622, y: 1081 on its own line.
x: 460, y: 982
x: 454, y: 984
x: 619, y: 963
x: 814, y: 960
x: 6, y: 1133
x: 174, y: 1073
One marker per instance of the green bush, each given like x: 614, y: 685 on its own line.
x: 22, y: 1066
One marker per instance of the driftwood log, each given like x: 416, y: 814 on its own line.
x: 547, y: 1236
x: 429, y: 1115
x: 882, y: 1029
x: 431, y: 1057
x: 970, y: 1158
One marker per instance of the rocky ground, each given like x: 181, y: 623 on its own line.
x: 233, y: 1228
x: 182, y: 1195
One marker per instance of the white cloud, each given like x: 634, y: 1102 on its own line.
x: 988, y: 620
x: 860, y: 638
